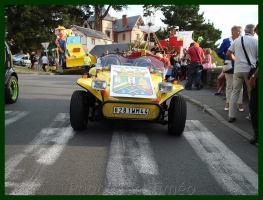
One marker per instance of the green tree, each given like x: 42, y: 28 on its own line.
x: 30, y: 25
x: 99, y: 16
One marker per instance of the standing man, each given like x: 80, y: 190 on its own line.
x: 242, y: 67
x: 253, y: 102
x: 155, y: 48
x: 44, y: 62
x: 221, y: 52
x: 196, y: 55
x: 33, y: 60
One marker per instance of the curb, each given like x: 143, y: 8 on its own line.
x: 23, y: 70
x: 207, y: 109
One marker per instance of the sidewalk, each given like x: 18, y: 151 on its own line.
x: 214, y: 105
x: 25, y: 70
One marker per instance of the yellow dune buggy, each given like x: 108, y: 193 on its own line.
x: 128, y: 88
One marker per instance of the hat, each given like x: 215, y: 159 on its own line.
x: 61, y: 28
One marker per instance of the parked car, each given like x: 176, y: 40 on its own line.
x: 129, y: 88
x: 11, y: 78
x: 22, y: 60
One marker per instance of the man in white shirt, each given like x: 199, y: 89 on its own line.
x: 44, y: 62
x: 242, y: 68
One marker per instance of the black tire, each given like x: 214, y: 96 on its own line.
x: 79, y: 110
x: 11, y: 90
x: 177, y: 115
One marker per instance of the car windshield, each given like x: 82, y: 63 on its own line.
x: 152, y: 62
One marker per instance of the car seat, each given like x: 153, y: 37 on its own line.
x: 141, y: 61
x: 112, y: 61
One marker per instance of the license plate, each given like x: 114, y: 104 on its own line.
x: 133, y: 111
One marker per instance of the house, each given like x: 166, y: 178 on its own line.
x: 126, y: 29
x: 105, y: 26
x: 90, y: 37
x: 113, y: 33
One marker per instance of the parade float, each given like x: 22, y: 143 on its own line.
x: 69, y: 52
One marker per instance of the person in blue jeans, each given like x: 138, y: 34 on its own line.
x: 196, y: 54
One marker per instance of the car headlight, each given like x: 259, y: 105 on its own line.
x: 165, y: 87
x: 98, y: 84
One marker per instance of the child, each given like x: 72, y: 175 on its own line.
x: 207, y: 63
x: 87, y: 63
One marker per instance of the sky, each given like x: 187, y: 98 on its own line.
x: 222, y: 16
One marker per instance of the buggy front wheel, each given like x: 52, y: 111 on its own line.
x: 177, y: 115
x: 79, y: 110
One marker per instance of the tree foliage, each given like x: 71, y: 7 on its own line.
x: 30, y: 25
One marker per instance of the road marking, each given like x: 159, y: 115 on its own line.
x: 45, y: 148
x: 15, y: 115
x: 225, y: 166
x: 131, y: 168
x: 60, y: 137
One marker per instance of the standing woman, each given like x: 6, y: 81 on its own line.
x: 184, y: 63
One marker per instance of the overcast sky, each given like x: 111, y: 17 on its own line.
x: 222, y: 16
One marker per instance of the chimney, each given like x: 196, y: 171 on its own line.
x: 124, y: 21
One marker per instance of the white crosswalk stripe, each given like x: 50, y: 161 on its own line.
x: 13, y: 116
x: 45, y: 148
x: 131, y: 160
x: 226, y: 167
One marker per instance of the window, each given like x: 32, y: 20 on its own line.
x: 116, y: 38
x: 123, y: 37
x: 107, y: 33
x: 93, y: 41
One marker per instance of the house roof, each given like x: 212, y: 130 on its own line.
x: 107, y: 17
x: 99, y: 49
x: 92, y: 33
x: 131, y: 23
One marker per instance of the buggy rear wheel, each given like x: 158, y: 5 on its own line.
x: 79, y: 110
x: 177, y: 115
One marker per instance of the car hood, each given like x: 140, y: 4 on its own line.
x: 135, y: 82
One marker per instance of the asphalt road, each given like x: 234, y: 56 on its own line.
x: 45, y: 156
